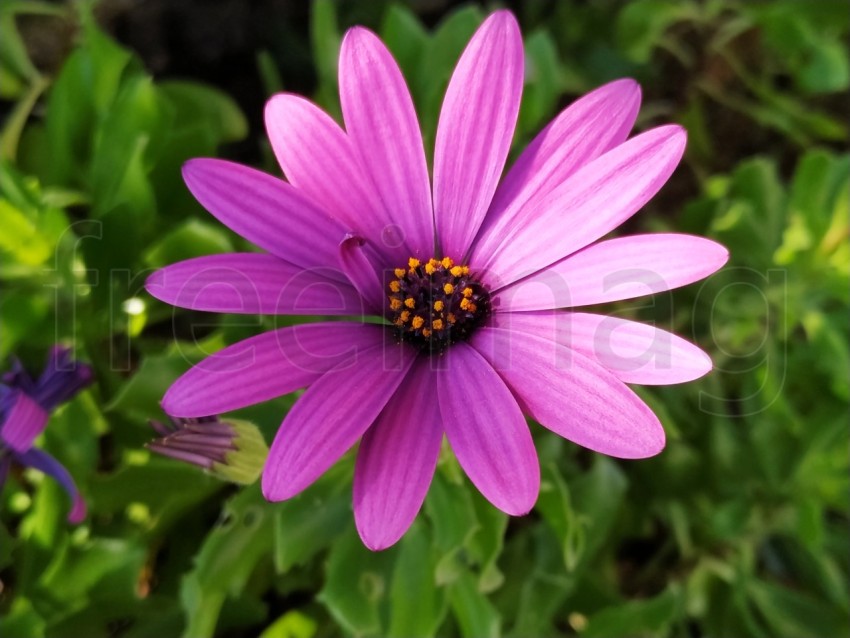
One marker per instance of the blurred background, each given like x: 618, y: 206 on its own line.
x: 739, y: 528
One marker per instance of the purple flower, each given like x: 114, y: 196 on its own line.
x: 466, y: 271
x: 233, y: 450
x: 25, y: 407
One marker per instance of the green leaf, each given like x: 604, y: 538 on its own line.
x: 310, y: 522
x: 475, y: 614
x: 537, y: 585
x: 417, y: 605
x: 793, y: 613
x: 557, y: 510
x: 22, y: 315
x: 751, y: 226
x: 17, y: 68
x: 452, y: 514
x: 197, y: 104
x: 152, y: 485
x: 356, y: 585
x: 485, y: 546
x: 325, y: 40
x: 16, y: 121
x: 32, y: 228
x: 82, y: 94
x: 230, y: 553
x: 542, y: 82
x: 828, y: 70
x: 103, y: 568
x: 438, y: 61
x: 140, y: 395
x: 651, y: 617
x: 239, y: 541
x: 193, y: 238
x: 127, y: 144
x: 642, y: 23
x: 293, y: 624
x: 20, y: 238
x: 22, y: 621
x: 597, y: 498
x: 405, y: 37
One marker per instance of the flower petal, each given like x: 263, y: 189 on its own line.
x: 591, y: 202
x: 572, y: 395
x: 634, y: 352
x: 397, y: 459
x: 43, y: 462
x: 475, y: 130
x: 253, y: 283
x: 361, y: 272
x: 381, y: 122
x: 331, y: 415
x: 62, y: 379
x: 266, y: 211
x: 318, y: 158
x: 25, y: 420
x: 616, y: 269
x: 589, y: 127
x: 266, y: 366
x: 487, y: 431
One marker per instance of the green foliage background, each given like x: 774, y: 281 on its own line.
x: 740, y: 528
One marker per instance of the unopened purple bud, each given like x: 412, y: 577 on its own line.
x: 232, y: 450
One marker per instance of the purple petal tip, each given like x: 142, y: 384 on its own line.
x: 78, y: 511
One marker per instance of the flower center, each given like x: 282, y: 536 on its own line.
x: 436, y: 303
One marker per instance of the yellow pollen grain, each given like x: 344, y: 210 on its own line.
x: 398, y: 322
x: 447, y: 262
x: 466, y: 270
x: 448, y: 289
x: 426, y: 333
x: 395, y: 304
x: 437, y: 324
x: 413, y: 262
x: 404, y: 316
x: 410, y: 302
x: 439, y: 305
x: 472, y: 307
x: 451, y: 318
x: 418, y: 322
x: 395, y: 286
x: 464, y: 304
x: 400, y: 272
x: 467, y: 292
x: 430, y: 268
x: 457, y: 271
